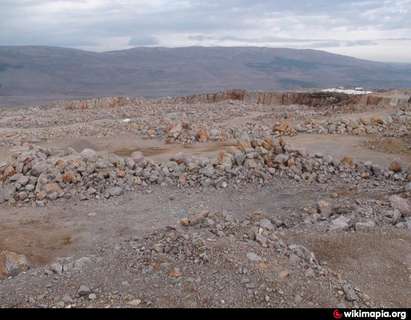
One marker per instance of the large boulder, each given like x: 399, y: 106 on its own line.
x: 401, y: 204
x: 38, y: 168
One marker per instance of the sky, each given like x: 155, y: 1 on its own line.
x: 370, y: 29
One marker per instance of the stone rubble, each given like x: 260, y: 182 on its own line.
x: 41, y: 175
x: 180, y: 255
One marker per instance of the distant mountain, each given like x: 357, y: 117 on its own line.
x: 32, y: 73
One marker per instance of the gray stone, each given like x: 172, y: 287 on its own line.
x: 11, y: 263
x: 92, y: 296
x: 239, y: 158
x: 265, y: 223
x: 56, y: 268
x: 253, y: 257
x: 395, y: 216
x: 251, y: 163
x: 83, y: 291
x: 281, y: 158
x: 137, y: 157
x: 261, y: 240
x: 38, y: 168
x: 303, y: 253
x: 340, y: 223
x: 324, y: 208
x: 293, y: 259
x: 7, y: 192
x: 29, y: 187
x: 89, y: 154
x: 365, y: 226
x: 115, y: 191
x: 67, y: 299
x: 403, y: 205
x: 350, y: 294
x: 130, y: 163
x: 23, y: 180
x: 102, y: 164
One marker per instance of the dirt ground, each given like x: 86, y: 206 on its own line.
x: 115, y: 233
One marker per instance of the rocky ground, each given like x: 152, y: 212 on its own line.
x: 233, y: 199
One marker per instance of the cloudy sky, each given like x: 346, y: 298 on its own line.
x: 371, y: 29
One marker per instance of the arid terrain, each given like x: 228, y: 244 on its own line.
x: 36, y: 74
x: 231, y: 199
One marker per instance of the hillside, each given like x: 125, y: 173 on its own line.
x: 30, y: 74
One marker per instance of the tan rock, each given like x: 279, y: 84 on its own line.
x: 324, y: 208
x: 202, y: 135
x: 52, y: 187
x: 195, y: 219
x: 11, y: 264
x: 185, y: 221
x: 348, y: 161
x: 290, y: 162
x: 121, y: 173
x: 365, y: 175
x: 8, y: 172
x: 364, y: 121
x: 267, y: 144
x: 175, y: 130
x: 395, y: 166
x: 41, y: 195
x: 378, y: 120
x: 69, y: 177
x: 284, y: 128
x: 151, y: 132
x: 60, y: 164
x: 134, y: 302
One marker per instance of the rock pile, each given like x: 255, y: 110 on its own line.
x: 41, y: 174
x: 393, y: 126
x: 105, y: 102
x: 254, y: 238
x: 364, y: 215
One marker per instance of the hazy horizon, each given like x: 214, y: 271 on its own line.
x: 201, y: 46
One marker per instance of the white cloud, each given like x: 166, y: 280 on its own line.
x: 361, y: 28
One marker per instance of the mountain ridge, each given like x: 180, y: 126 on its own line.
x: 30, y: 73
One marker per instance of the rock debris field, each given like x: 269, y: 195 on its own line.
x: 232, y: 199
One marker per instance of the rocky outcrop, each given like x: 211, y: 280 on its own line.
x: 313, y: 99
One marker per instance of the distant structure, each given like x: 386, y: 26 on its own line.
x: 357, y: 90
